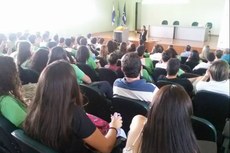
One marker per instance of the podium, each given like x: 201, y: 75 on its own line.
x: 121, y: 35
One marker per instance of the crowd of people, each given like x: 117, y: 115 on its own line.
x: 55, y: 114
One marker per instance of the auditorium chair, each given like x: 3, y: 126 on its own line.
x: 195, y: 24
x: 128, y: 108
x: 164, y: 22
x: 88, y: 71
x: 200, y: 71
x: 106, y: 74
x: 176, y: 23
x: 157, y: 72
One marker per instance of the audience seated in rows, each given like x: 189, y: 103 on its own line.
x: 167, y: 129
x: 56, y: 117
x: 131, y: 85
x: 218, y: 76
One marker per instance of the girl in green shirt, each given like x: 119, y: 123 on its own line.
x: 12, y: 106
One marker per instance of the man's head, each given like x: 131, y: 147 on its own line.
x: 131, y: 65
x: 173, y: 66
x: 211, y: 57
x: 219, y: 70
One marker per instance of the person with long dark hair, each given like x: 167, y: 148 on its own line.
x: 58, y: 53
x: 56, y: 116
x: 12, y: 105
x: 168, y: 128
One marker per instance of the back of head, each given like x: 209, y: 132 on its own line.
x: 173, y: 66
x: 89, y: 35
x: 57, y: 53
x: 131, y: 65
x: 32, y: 38
x: 194, y: 56
x: 68, y: 42
x: 93, y: 40
x: 141, y: 50
x: 219, y: 70
x: 210, y: 56
x: 171, y: 52
x: 83, y: 41
x: 188, y: 48
x: 82, y: 54
x: 110, y: 46
x: 158, y: 49
x: 13, y: 37
x: 112, y: 59
x: 50, y: 116
x: 165, y: 56
x: 24, y: 51
x: 218, y: 53
x: 168, y: 128
x: 9, y: 77
x: 51, y: 44
x: 39, y: 60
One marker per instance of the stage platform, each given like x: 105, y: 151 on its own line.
x: 179, y: 45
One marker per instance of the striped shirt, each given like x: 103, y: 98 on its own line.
x: 138, y: 89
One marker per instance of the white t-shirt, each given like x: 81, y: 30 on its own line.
x: 221, y: 87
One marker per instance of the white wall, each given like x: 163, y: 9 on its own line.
x: 201, y: 11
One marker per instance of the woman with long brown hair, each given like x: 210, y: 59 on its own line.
x: 56, y: 116
x: 12, y: 105
x: 168, y: 127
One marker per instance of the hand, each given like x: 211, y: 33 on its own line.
x: 116, y: 120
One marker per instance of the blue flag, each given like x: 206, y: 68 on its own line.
x: 124, y: 19
x: 113, y: 15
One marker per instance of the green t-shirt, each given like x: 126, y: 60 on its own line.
x: 146, y: 76
x: 79, y: 73
x: 91, y: 63
x: 11, y: 109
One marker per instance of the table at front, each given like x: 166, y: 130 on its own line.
x: 191, y: 33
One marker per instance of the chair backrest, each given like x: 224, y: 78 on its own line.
x: 209, y: 25
x: 157, y: 72
x: 164, y: 22
x: 200, y: 71
x: 185, y: 68
x: 176, y: 23
x: 7, y: 142
x: 97, y: 104
x: 30, y: 145
x: 161, y: 83
x: 27, y: 75
x: 183, y: 59
x: 195, y: 24
x: 128, y: 108
x: 88, y: 71
x: 155, y: 62
x: 203, y: 129
x: 188, y: 75
x: 213, y: 107
x: 106, y: 74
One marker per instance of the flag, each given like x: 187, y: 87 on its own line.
x: 113, y: 15
x: 124, y: 15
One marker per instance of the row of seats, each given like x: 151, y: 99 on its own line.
x: 208, y: 24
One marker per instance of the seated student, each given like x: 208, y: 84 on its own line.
x: 58, y: 53
x: 113, y: 59
x: 206, y: 65
x: 147, y: 62
x: 56, y: 116
x: 193, y: 59
x: 218, y: 73
x: 164, y: 59
x: 131, y: 85
x: 218, y: 54
x: 203, y: 55
x: 226, y: 55
x: 12, y: 106
x: 157, y: 53
x: 69, y: 47
x: 83, y: 56
x: 168, y: 128
x: 172, y: 70
x: 187, y: 51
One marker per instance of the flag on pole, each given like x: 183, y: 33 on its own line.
x: 124, y: 19
x: 113, y: 15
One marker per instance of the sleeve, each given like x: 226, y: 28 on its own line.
x: 79, y: 73
x: 91, y: 63
x: 83, y: 127
x: 11, y: 110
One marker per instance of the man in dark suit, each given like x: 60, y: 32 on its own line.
x: 143, y: 35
